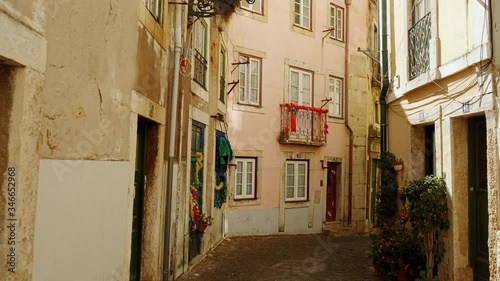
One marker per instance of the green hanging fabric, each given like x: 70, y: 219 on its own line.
x: 223, y: 155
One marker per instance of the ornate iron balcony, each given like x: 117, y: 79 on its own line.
x: 200, y: 69
x: 210, y: 8
x: 418, y: 42
x: 303, y: 125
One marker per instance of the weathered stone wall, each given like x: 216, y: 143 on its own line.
x: 22, y: 67
x: 494, y: 205
x: 360, y: 118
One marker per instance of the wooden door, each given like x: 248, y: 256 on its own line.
x: 331, y: 192
x: 478, y: 199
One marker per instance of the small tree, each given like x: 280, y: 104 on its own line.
x: 428, y: 213
x: 387, y: 205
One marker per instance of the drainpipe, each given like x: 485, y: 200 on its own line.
x: 382, y: 17
x: 351, y: 133
x: 171, y: 140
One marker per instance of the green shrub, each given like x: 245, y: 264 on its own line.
x: 428, y: 214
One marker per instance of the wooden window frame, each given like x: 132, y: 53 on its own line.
x: 334, y: 28
x: 331, y: 95
x: 306, y: 191
x: 246, y: 89
x: 301, y: 71
x: 200, y: 55
x: 155, y: 8
x: 222, y: 74
x: 244, y: 196
x: 301, y: 14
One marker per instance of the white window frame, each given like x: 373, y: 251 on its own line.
x: 299, y: 17
x: 420, y: 8
x: 335, y: 93
x: 246, y: 178
x: 336, y: 22
x: 301, y: 86
x: 295, y: 186
x: 245, y: 79
x: 256, y: 7
x: 155, y: 8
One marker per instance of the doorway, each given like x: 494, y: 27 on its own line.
x: 138, y: 209
x: 478, y: 199
x: 331, y: 192
x: 196, y: 185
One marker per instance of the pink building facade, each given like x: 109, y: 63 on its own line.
x: 300, y: 86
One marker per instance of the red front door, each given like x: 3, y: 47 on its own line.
x: 331, y: 192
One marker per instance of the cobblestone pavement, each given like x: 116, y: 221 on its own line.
x: 290, y: 258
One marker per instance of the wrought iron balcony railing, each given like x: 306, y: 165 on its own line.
x: 303, y: 125
x: 200, y: 69
x: 418, y: 42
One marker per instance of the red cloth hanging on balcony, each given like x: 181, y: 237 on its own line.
x: 293, y: 120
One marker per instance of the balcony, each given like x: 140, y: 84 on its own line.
x: 303, y: 125
x: 419, y: 36
x: 200, y: 69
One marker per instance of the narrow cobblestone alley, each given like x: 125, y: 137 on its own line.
x: 290, y: 258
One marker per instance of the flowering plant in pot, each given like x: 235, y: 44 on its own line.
x: 205, y: 220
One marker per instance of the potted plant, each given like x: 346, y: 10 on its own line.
x: 428, y: 213
x: 204, y: 221
x: 398, y: 165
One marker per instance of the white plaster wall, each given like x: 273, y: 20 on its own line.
x: 252, y: 222
x: 81, y: 221
x: 296, y: 220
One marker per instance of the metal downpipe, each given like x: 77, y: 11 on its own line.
x: 171, y: 139
x: 382, y: 17
x: 351, y: 133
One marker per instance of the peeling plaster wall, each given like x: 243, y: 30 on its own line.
x: 86, y: 97
x: 68, y: 99
x: 150, y: 67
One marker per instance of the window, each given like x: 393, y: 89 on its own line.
x: 376, y: 112
x: 336, y: 22
x: 376, y: 78
x: 256, y: 7
x: 200, y: 52
x: 420, y: 9
x: 296, y: 188
x: 302, y: 13
x: 335, y: 94
x: 155, y: 8
x: 246, y: 175
x: 249, y: 77
x: 300, y: 87
x: 222, y: 71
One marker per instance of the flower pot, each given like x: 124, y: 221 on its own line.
x: 402, y: 275
x: 398, y: 166
x: 202, y: 228
x: 377, y: 267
